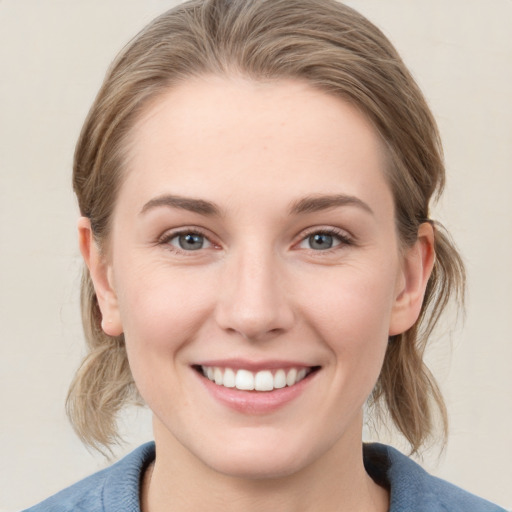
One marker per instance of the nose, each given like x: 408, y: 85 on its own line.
x: 253, y: 301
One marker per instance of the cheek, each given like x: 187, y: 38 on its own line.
x: 352, y: 317
x: 161, y: 312
x: 161, y: 309
x: 354, y: 302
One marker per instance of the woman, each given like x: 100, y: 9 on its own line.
x: 254, y: 180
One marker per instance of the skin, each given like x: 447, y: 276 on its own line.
x: 257, y: 289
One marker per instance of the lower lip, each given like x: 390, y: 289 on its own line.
x: 256, y: 402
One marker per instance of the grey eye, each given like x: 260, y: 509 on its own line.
x: 321, y: 241
x: 190, y: 241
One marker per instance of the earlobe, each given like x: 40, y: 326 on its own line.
x: 101, y: 276
x: 417, y: 267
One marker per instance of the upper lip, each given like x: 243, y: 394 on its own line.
x: 254, y: 366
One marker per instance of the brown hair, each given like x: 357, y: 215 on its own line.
x: 334, y: 49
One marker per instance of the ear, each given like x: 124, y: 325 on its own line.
x: 101, y: 275
x: 416, y: 269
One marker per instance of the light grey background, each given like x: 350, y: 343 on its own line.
x: 53, y: 54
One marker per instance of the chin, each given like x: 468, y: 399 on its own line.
x: 257, y: 466
x: 262, y: 457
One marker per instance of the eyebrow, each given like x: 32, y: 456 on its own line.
x: 184, y: 203
x: 311, y: 204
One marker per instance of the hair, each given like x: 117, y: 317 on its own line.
x: 334, y: 49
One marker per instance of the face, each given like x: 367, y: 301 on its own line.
x: 253, y: 245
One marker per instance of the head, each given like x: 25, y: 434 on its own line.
x: 329, y: 48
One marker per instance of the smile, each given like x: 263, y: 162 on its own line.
x: 263, y: 380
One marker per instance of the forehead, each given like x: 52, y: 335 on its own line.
x: 211, y: 134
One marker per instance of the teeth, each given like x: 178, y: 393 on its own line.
x: 217, y: 376
x: 229, y: 378
x: 280, y: 379
x: 291, y: 377
x: 245, y: 380
x: 264, y: 381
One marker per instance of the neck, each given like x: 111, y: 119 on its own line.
x: 336, y: 481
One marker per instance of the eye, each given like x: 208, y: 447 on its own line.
x: 324, y: 240
x: 321, y: 241
x: 189, y: 241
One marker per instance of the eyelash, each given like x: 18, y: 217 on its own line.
x: 343, y: 238
x: 167, y: 237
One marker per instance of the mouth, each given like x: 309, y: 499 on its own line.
x: 263, y: 380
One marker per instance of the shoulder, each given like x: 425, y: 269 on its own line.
x: 412, y: 488
x: 113, y: 489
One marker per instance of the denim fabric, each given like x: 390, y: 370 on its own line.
x: 116, y: 489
